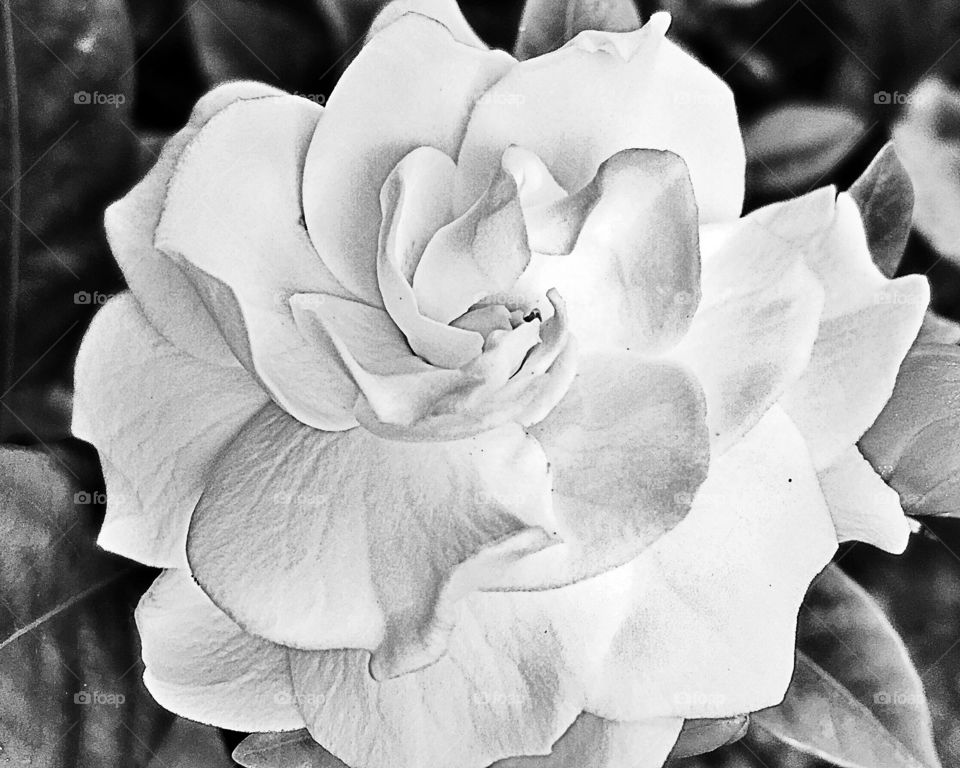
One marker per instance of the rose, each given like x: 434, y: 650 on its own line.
x: 465, y: 415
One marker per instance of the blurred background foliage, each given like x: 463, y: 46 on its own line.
x: 820, y: 86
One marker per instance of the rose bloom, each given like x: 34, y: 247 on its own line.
x: 468, y: 419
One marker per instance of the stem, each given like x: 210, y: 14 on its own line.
x: 10, y: 276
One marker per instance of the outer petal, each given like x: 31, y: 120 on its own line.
x: 347, y: 540
x: 602, y: 93
x: 168, y: 299
x: 592, y: 742
x: 202, y: 666
x: 232, y: 215
x: 714, y: 604
x: 447, y: 12
x: 628, y: 447
x: 868, y: 326
x: 624, y: 253
x: 627, y: 645
x: 412, y: 85
x: 864, y: 508
x: 759, y: 314
x: 158, y: 418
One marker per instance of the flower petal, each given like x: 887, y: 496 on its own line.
x: 592, y: 742
x: 480, y: 254
x: 624, y: 253
x: 602, y: 93
x: 168, y: 299
x: 864, y: 508
x: 869, y: 324
x: 158, y: 417
x: 628, y: 447
x: 412, y: 85
x: 202, y: 666
x: 626, y: 645
x: 415, y: 202
x: 447, y: 12
x: 322, y: 540
x: 719, y: 581
x: 759, y: 314
x: 231, y: 217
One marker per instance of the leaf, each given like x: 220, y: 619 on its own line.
x: 913, y: 443
x: 793, y: 148
x: 928, y: 142
x: 74, y: 70
x: 284, y: 750
x: 191, y: 745
x: 855, y: 698
x: 938, y: 330
x: 884, y: 195
x: 69, y: 659
x: 548, y: 24
x: 700, y: 736
x: 300, y: 46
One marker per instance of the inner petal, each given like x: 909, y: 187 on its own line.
x: 415, y: 201
x: 481, y: 253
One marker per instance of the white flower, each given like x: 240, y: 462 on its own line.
x: 474, y: 411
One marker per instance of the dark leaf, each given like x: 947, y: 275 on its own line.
x: 855, y: 698
x: 928, y: 141
x: 793, y: 148
x: 283, y: 750
x: 299, y: 45
x: 913, y: 443
x: 69, y: 658
x: 547, y: 24
x: 700, y: 736
x: 191, y: 745
x: 74, y: 65
x: 884, y: 196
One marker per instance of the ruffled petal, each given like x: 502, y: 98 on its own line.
x: 168, y: 299
x: 711, y: 627
x: 232, y: 217
x: 158, y: 418
x: 322, y: 540
x: 415, y: 203
x: 202, y: 666
x: 628, y: 447
x: 864, y: 508
x: 869, y: 324
x: 593, y: 742
x: 623, y: 252
x: 447, y: 12
x: 627, y: 645
x: 602, y: 93
x: 480, y: 254
x: 412, y: 85
x: 759, y: 314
